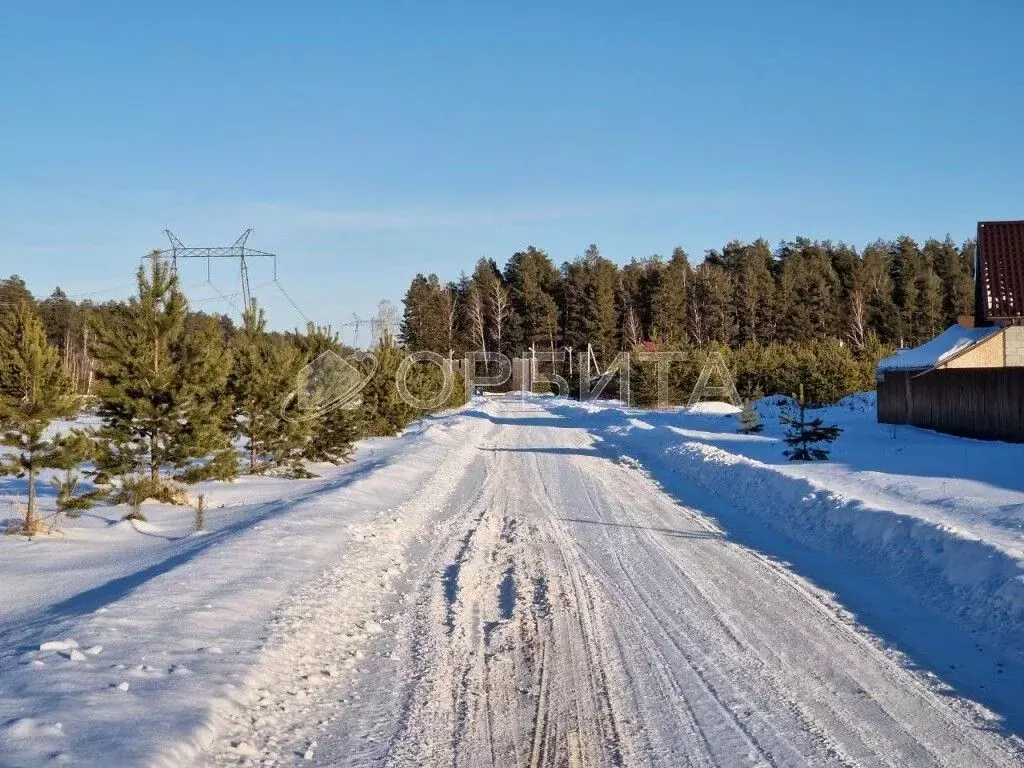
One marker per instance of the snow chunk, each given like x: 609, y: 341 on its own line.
x: 31, y: 728
x: 713, y: 408
x: 59, y: 645
x: 245, y: 749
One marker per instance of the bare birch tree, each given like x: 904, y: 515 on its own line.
x: 697, y: 325
x: 384, y: 325
x: 499, y: 311
x: 478, y: 320
x: 631, y: 332
x: 451, y: 311
x: 858, y: 320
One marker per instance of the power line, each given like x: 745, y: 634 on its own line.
x: 290, y: 301
x: 101, y: 291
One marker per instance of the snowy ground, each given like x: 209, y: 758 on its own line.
x: 530, y: 582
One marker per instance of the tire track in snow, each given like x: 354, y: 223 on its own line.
x: 548, y: 640
x: 562, y: 611
x: 702, y: 749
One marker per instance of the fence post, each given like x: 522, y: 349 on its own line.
x: 201, y: 512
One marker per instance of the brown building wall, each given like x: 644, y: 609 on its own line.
x: 987, y: 354
x: 986, y: 403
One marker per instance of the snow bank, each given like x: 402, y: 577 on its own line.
x: 986, y: 583
x: 125, y: 645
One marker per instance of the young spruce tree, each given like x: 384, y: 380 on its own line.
x: 34, y: 391
x: 161, y: 388
x: 805, y: 436
x: 750, y: 419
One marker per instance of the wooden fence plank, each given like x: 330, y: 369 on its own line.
x: 985, y: 403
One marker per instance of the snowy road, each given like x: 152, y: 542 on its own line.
x: 556, y: 607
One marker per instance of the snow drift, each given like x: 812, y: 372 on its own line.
x: 987, y: 583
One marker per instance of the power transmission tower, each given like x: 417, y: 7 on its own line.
x: 239, y: 250
x: 236, y: 251
x: 357, y: 321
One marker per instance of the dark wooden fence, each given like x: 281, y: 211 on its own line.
x: 987, y: 403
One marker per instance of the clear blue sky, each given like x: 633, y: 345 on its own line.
x: 367, y: 141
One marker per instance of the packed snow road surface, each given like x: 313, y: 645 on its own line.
x: 553, y: 605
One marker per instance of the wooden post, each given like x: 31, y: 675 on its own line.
x: 201, y: 513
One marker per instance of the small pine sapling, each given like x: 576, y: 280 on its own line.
x: 70, y: 500
x: 76, y: 447
x: 133, y: 492
x: 805, y: 436
x: 750, y: 419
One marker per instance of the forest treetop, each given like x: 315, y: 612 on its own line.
x: 892, y: 292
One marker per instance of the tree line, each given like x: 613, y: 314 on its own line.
x: 806, y: 309
x: 179, y: 396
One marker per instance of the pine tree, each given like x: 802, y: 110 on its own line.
x: 332, y: 434
x: 643, y: 379
x: 750, y: 419
x: 955, y: 274
x: 384, y: 410
x: 425, y: 320
x: 638, y: 282
x: 591, y: 315
x: 668, y: 302
x: 533, y: 284
x: 13, y: 291
x: 753, y: 290
x: 71, y: 500
x: 162, y: 389
x: 263, y: 376
x: 905, y: 268
x: 826, y: 370
x: 810, y: 291
x: 805, y: 436
x: 873, y: 276
x: 34, y: 391
x: 928, y: 316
